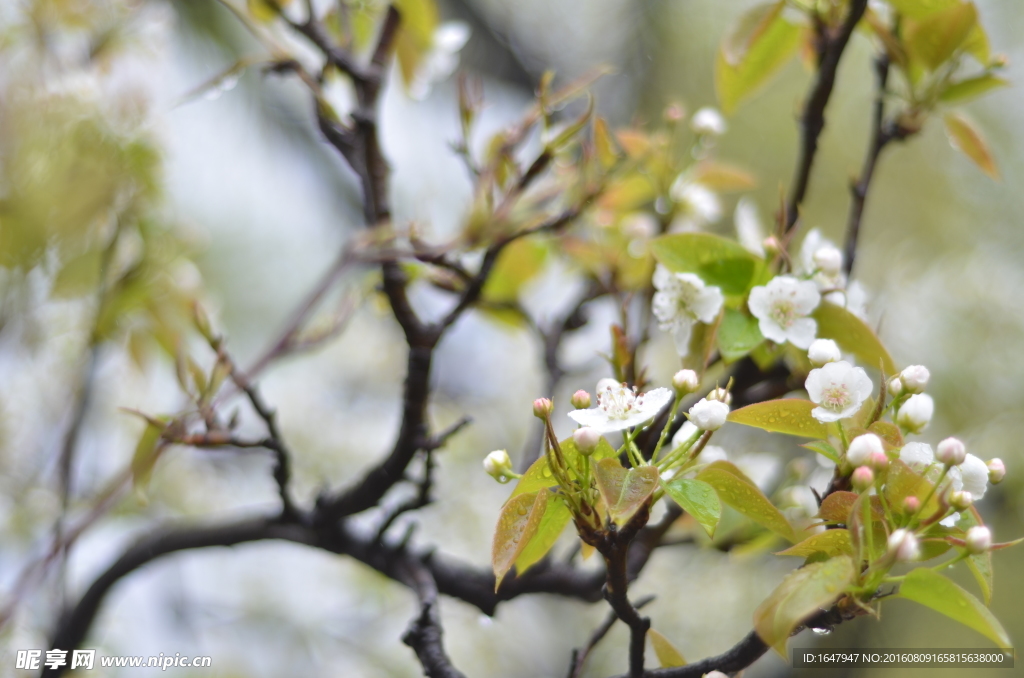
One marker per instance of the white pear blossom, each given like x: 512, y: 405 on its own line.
x: 620, y: 407
x: 915, y: 378
x: 862, y: 447
x: 975, y: 476
x: 781, y: 308
x: 709, y: 121
x: 838, y: 389
x: 823, y: 351
x: 696, y: 199
x: 442, y: 59
x: 916, y: 413
x: 815, y: 251
x: 921, y: 458
x: 710, y: 415
x: 682, y: 300
x: 749, y: 230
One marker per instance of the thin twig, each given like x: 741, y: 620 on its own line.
x: 579, y: 657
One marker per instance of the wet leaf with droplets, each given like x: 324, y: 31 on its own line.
x: 788, y: 415
x: 517, y: 524
x: 552, y: 523
x: 739, y: 492
x: 624, y: 491
x: 698, y: 499
x: 830, y: 543
x: 800, y: 595
x: 931, y: 589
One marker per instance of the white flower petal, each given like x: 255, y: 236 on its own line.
x: 802, y: 332
x: 975, y: 476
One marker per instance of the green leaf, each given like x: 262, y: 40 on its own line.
x: 800, y: 595
x: 823, y: 448
x: 668, y: 655
x: 762, y: 42
x: 901, y: 481
x: 964, y: 136
x: 552, y: 524
x: 698, y: 499
x: 830, y: 542
x: 147, y: 450
x: 718, y: 261
x: 787, y: 415
x: 517, y: 264
x: 738, y: 335
x: 971, y: 88
x: 624, y: 491
x: 739, y: 492
x: 853, y: 336
x: 539, y: 475
x: 935, y: 38
x: 77, y: 275
x: 517, y: 524
x: 415, y: 37
x: 836, y: 507
x: 980, y: 564
x: 932, y: 590
x: 920, y: 9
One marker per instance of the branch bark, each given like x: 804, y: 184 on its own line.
x: 812, y: 122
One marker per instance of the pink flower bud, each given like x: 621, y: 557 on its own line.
x: 978, y: 539
x: 580, y: 400
x: 862, y: 478
x: 951, y: 452
x: 878, y: 461
x: 903, y: 545
x: 911, y: 505
x: 542, y: 408
x: 915, y: 378
x: 586, y: 439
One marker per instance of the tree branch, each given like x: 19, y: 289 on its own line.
x: 579, y: 657
x: 830, y: 50
x: 424, y: 634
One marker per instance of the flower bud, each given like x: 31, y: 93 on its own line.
x: 878, y: 461
x: 708, y: 121
x: 915, y: 378
x: 828, y: 259
x: 895, y: 387
x: 721, y: 395
x: 542, y: 408
x: 674, y: 112
x: 862, y: 447
x: 978, y: 539
x: 911, y: 505
x: 709, y: 415
x: 903, y: 546
x: 586, y: 439
x: 498, y: 466
x: 996, y: 470
x: 951, y: 452
x: 580, y: 400
x: 916, y: 413
x: 862, y: 478
x: 685, y: 381
x: 960, y: 500
x: 771, y: 246
x: 823, y: 351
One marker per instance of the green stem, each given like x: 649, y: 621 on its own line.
x: 667, y: 426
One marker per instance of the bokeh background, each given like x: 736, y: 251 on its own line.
x: 249, y: 208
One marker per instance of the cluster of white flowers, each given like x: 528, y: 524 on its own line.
x: 681, y: 301
x: 781, y: 308
x: 821, y: 261
x: 970, y: 475
x: 620, y: 407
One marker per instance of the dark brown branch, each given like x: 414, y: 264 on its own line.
x: 883, y: 132
x: 831, y: 45
x: 579, y: 657
x: 424, y: 634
